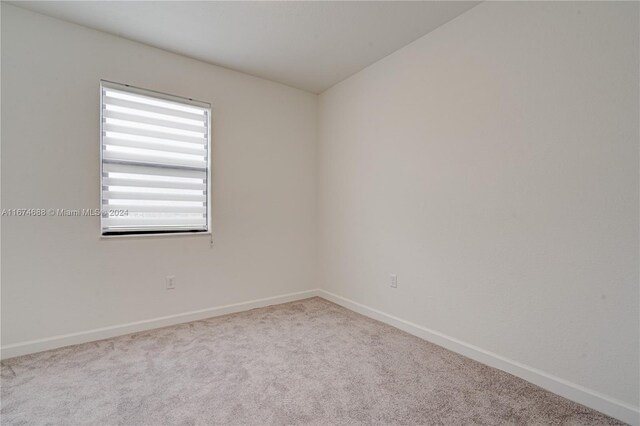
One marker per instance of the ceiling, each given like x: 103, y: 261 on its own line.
x: 308, y: 45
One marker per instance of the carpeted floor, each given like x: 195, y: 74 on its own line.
x: 305, y: 362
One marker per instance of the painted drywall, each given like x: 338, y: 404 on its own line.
x: 58, y: 276
x: 493, y: 165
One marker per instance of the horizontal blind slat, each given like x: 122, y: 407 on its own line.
x: 126, y: 156
x: 124, y: 221
x: 157, y: 208
x: 172, y: 102
x: 116, y: 128
x: 126, y: 195
x: 154, y: 121
x: 109, y: 100
x: 153, y: 171
x: 155, y: 146
x: 107, y: 181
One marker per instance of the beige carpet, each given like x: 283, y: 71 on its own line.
x: 306, y: 362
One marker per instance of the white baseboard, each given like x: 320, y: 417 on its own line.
x: 39, y: 345
x: 592, y: 399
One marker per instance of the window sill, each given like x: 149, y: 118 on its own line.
x: 161, y: 234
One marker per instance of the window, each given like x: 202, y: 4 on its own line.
x: 155, y: 162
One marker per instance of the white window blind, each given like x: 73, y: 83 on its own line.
x: 155, y: 162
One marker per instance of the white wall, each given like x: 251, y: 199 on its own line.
x: 58, y: 276
x: 493, y: 165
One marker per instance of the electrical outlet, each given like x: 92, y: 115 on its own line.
x: 394, y: 280
x: 171, y: 282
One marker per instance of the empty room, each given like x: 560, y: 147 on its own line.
x: 320, y: 213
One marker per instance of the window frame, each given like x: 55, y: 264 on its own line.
x: 165, y: 96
